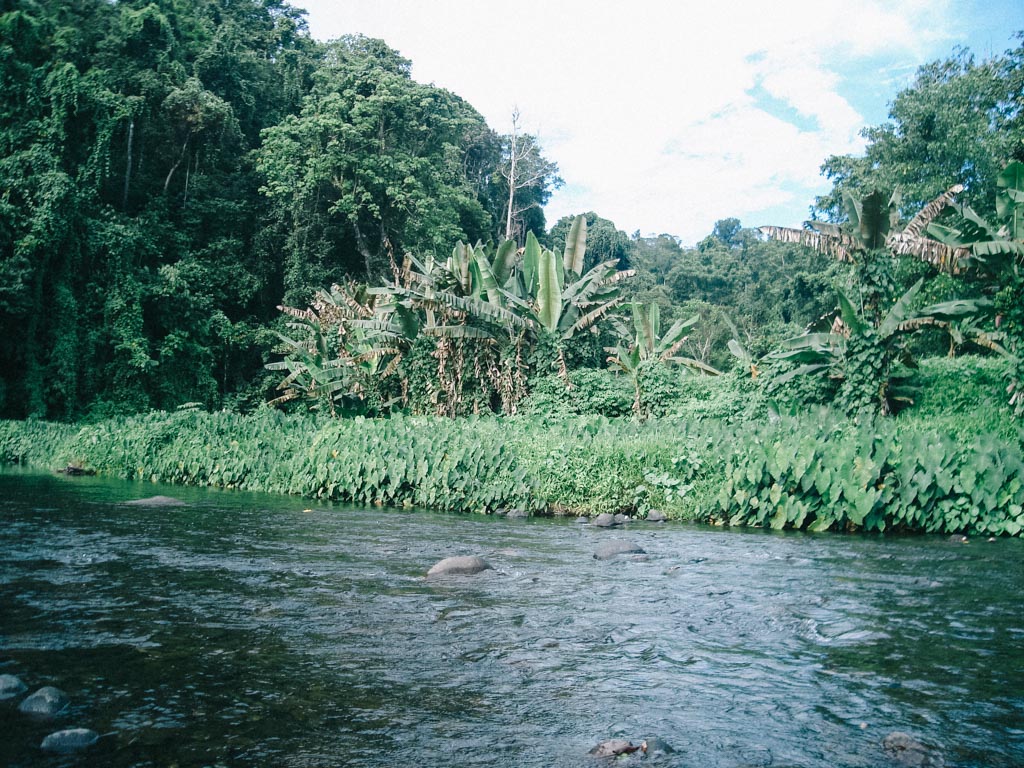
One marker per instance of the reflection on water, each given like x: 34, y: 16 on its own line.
x: 243, y: 630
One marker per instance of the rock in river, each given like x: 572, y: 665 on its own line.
x: 46, y: 702
x: 10, y: 686
x: 71, y: 740
x: 610, y: 549
x: 907, y: 751
x: 656, y: 516
x: 459, y: 565
x: 613, y: 748
x: 604, y: 520
x: 157, y: 501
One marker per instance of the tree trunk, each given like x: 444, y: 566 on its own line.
x: 170, y: 174
x: 363, y: 248
x: 128, y: 165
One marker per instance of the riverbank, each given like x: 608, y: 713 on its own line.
x: 816, y: 471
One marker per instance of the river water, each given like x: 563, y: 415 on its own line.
x: 244, y: 629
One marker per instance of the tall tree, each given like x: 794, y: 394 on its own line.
x: 130, y: 207
x: 374, y: 163
x: 525, y: 180
x: 959, y: 123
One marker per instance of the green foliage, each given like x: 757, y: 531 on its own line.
x: 963, y: 395
x: 957, y: 123
x: 872, y: 477
x: 375, y: 161
x: 593, y: 392
x: 815, y: 471
x: 130, y: 258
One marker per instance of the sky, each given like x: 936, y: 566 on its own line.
x: 667, y: 116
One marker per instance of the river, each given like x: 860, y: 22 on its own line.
x: 256, y: 630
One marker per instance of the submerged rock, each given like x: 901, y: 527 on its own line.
x: 610, y: 549
x: 459, y: 565
x: 46, y: 702
x: 70, y: 740
x: 604, y: 520
x: 656, y: 747
x: 157, y: 501
x: 907, y: 751
x: 614, y: 748
x: 958, y: 538
x: 10, y: 686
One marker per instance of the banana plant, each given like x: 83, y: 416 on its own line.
x: 872, y: 225
x: 348, y: 343
x: 865, y: 356
x: 647, y: 346
x: 992, y: 245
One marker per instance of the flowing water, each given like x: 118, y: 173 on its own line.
x: 245, y: 630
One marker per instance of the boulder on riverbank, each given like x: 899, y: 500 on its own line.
x: 656, y: 516
x: 10, y: 686
x: 70, y: 740
x: 616, y: 547
x: 157, y: 501
x: 460, y: 565
x: 46, y: 702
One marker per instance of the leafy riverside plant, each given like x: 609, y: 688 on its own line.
x: 870, y: 476
x: 820, y: 471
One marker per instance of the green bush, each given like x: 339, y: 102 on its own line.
x: 965, y: 395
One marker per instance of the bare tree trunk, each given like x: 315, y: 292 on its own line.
x: 512, y: 175
x: 181, y: 156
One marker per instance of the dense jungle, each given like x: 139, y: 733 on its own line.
x: 233, y: 255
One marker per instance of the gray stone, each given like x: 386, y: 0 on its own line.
x: 621, y: 518
x: 613, y: 748
x: 460, y: 565
x: 604, y: 520
x: 907, y: 751
x: 10, y: 686
x: 656, y: 747
x: 610, y: 549
x: 517, y: 513
x: 656, y: 516
x: 157, y: 501
x: 46, y: 702
x: 71, y: 740
x: 958, y: 538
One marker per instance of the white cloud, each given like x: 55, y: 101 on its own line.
x: 662, y: 116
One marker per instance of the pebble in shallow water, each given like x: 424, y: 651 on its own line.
x: 904, y: 750
x: 616, y: 547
